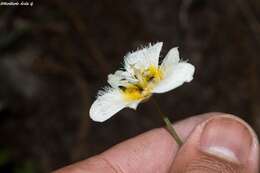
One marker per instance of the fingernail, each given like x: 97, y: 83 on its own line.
x: 226, y: 138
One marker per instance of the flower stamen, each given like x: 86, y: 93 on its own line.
x: 147, y: 80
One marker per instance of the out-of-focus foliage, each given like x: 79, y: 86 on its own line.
x: 8, y: 165
x: 26, y: 167
x: 4, y: 156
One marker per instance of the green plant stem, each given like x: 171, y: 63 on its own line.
x: 168, y: 123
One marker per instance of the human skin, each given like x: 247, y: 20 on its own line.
x: 213, y: 143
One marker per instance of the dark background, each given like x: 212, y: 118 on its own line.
x: 56, y: 55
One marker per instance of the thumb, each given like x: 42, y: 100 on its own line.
x: 220, y: 144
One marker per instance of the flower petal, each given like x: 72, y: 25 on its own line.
x: 119, y: 78
x: 134, y: 104
x: 180, y: 73
x: 172, y: 58
x: 143, y: 58
x: 107, y: 104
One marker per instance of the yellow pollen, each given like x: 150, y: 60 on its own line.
x: 147, y: 79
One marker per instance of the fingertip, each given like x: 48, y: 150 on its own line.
x: 222, y: 143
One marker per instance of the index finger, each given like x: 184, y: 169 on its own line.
x: 153, y: 151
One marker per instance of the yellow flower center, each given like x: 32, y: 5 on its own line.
x: 147, y: 79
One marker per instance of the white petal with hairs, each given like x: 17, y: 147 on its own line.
x: 141, y: 77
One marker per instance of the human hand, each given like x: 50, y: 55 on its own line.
x: 213, y: 142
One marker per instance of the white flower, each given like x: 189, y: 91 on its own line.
x: 142, y: 76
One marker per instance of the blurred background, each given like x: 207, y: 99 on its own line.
x: 55, y: 56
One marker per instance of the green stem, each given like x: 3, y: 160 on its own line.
x: 168, y: 123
